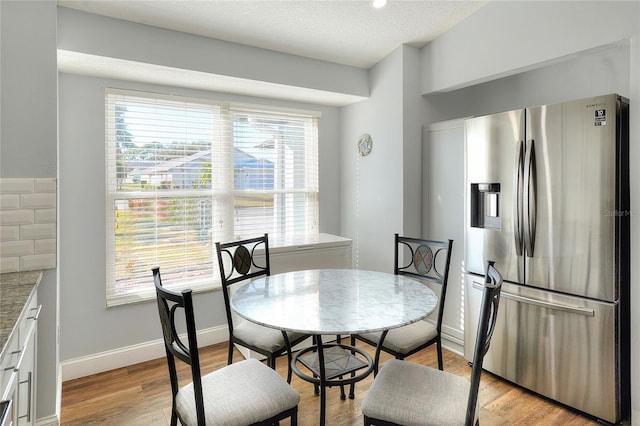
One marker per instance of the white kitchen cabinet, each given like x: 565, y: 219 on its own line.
x: 9, y: 396
x: 18, y: 367
x: 318, y: 252
x: 26, y: 369
x: 8, y: 364
x: 443, y: 218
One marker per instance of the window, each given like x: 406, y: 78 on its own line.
x: 185, y: 173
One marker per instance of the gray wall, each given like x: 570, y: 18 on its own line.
x: 371, y: 191
x: 29, y: 90
x: 83, y: 218
x: 592, y: 73
x: 81, y: 153
x: 360, y: 197
x: 510, y: 37
x: 28, y: 146
x: 113, y: 38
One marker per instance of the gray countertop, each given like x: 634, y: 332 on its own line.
x: 15, y: 290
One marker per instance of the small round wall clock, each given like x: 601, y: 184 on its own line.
x: 365, y: 144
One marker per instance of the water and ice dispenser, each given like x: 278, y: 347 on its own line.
x: 485, y: 205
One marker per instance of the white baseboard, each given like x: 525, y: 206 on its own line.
x: 129, y: 355
x: 453, y: 340
x: 48, y: 421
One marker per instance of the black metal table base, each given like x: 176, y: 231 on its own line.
x: 329, y: 363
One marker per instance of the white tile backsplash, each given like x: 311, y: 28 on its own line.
x: 27, y: 224
x: 9, y: 233
x: 38, y: 232
x: 38, y: 201
x: 17, y: 186
x: 46, y: 246
x: 45, y: 186
x: 46, y: 216
x: 16, y: 248
x: 37, y: 261
x: 16, y: 217
x: 9, y: 264
x: 9, y: 201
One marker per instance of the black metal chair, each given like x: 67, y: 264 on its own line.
x: 237, y: 264
x: 406, y: 393
x: 429, y: 261
x: 245, y: 393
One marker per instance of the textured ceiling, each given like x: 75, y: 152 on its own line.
x: 349, y: 32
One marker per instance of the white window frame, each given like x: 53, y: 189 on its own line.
x: 223, y: 192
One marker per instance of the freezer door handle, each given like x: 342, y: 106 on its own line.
x: 579, y: 310
x: 530, y: 195
x: 518, y: 174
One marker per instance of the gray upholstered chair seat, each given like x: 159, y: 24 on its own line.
x: 243, y: 393
x: 411, y: 394
x: 406, y: 393
x: 405, y: 339
x: 262, y: 337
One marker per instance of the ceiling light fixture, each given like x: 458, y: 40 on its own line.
x: 379, y: 3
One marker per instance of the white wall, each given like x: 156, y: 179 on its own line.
x: 371, y: 190
x: 28, y: 141
x: 413, y: 113
x: 113, y: 38
x: 589, y: 74
x: 382, y: 192
x: 508, y: 37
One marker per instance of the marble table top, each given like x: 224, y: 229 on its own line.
x: 334, y: 301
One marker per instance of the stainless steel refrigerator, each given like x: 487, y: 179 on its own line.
x: 547, y: 198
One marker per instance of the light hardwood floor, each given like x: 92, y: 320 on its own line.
x: 140, y: 395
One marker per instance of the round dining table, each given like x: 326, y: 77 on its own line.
x: 334, y: 302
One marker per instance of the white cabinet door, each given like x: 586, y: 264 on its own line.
x: 9, y: 398
x: 26, y: 369
x: 443, y: 207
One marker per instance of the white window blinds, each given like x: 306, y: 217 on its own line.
x: 184, y: 173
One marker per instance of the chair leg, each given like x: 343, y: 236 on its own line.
x: 289, y: 356
x: 352, y: 389
x: 439, y: 349
x: 230, y: 356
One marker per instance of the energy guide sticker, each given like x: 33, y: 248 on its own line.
x: 601, y: 117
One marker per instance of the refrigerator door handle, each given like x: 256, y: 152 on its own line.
x: 529, y: 202
x: 579, y: 310
x: 518, y: 174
